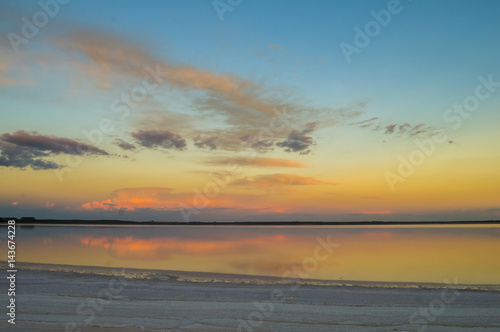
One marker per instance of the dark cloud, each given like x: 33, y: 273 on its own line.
x: 22, y: 157
x: 390, y: 129
x: 297, y: 141
x: 159, y: 138
x: 22, y: 149
x: 124, y: 145
x: 51, y: 144
x: 207, y: 142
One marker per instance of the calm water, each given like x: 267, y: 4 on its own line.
x: 374, y: 253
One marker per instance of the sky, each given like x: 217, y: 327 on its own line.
x: 237, y: 110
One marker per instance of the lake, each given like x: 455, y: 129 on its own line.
x: 412, y: 253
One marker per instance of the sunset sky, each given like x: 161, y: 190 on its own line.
x: 250, y: 110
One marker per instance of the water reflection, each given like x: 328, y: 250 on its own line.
x: 416, y: 254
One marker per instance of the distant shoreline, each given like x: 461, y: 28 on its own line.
x: 33, y: 221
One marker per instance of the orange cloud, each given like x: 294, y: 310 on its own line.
x: 259, y: 161
x: 277, y: 180
x: 142, y: 197
x: 13, y: 71
x: 159, y: 198
x: 4, y: 69
x: 114, y: 56
x: 244, y: 103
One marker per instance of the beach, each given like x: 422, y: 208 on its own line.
x: 72, y: 298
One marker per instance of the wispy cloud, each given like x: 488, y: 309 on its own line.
x: 257, y: 162
x: 124, y: 145
x: 206, y: 142
x: 159, y: 138
x: 399, y: 129
x: 364, y: 123
x: 279, y: 180
x: 243, y: 106
x: 410, y: 130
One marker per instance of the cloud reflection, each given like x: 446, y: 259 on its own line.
x: 162, y: 248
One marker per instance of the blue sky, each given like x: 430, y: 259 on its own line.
x: 280, y: 53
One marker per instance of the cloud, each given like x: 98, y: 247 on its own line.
x: 399, y: 129
x: 50, y: 143
x: 13, y: 70
x: 278, y: 180
x: 258, y: 162
x: 403, y: 129
x: 207, y: 142
x: 244, y: 106
x: 5, y: 65
x: 241, y: 106
x: 113, y: 55
x: 257, y: 144
x: 159, y: 138
x: 411, y: 130
x: 124, y: 145
x: 49, y: 204
x: 22, y: 149
x: 297, y: 141
x: 165, y: 199
x: 130, y: 198
x: 364, y: 123
x: 159, y: 198
x: 22, y: 157
x: 390, y: 129
x: 164, y: 118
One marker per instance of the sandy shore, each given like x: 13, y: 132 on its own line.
x: 70, y: 301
